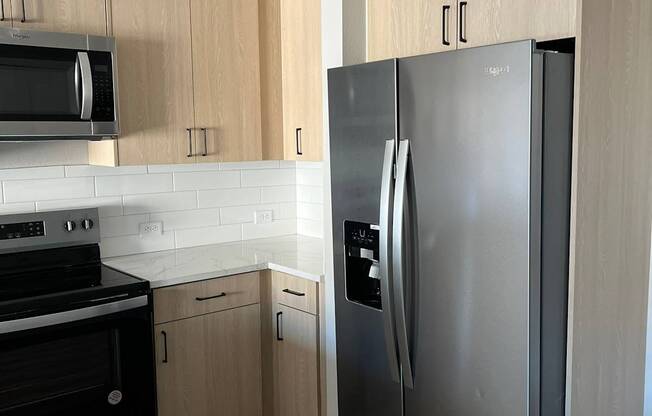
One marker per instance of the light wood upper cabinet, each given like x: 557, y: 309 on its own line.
x: 5, y: 13
x: 225, y: 57
x: 72, y: 16
x: 155, y: 78
x: 210, y: 364
x: 398, y: 28
x: 486, y: 22
x: 291, y: 79
x: 296, y: 363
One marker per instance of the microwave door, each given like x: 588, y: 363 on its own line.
x: 84, y: 76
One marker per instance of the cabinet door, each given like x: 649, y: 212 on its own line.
x: 296, y: 368
x: 226, y: 72
x: 398, y: 28
x: 210, y: 364
x: 301, y: 79
x: 5, y: 13
x: 72, y: 16
x: 155, y: 78
x: 485, y: 22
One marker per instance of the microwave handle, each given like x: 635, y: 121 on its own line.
x: 86, y: 85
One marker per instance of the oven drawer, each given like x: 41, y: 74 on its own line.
x: 198, y: 298
x: 295, y: 292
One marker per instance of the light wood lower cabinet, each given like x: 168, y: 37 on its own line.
x: 210, y: 364
x: 296, y: 362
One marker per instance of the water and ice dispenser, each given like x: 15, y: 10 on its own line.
x: 361, y: 249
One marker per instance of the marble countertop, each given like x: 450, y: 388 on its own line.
x: 297, y: 255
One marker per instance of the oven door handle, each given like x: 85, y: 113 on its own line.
x: 86, y: 85
x: 34, y: 322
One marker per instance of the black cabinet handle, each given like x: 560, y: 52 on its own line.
x: 221, y: 295
x: 205, y: 141
x: 462, y: 25
x: 2, y: 10
x: 24, y: 19
x: 165, y: 346
x: 292, y: 292
x: 279, y: 322
x: 189, y: 143
x: 299, y: 141
x: 445, y: 17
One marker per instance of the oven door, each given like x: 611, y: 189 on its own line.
x: 99, y: 365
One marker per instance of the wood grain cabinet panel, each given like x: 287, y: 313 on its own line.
x: 210, y: 364
x: 399, y: 28
x: 486, y: 22
x: 71, y: 16
x: 291, y: 79
x: 296, y: 363
x: 295, y: 292
x: 155, y: 78
x: 5, y: 13
x: 226, y: 71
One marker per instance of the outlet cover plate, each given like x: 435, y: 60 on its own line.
x: 150, y: 229
x: 263, y: 217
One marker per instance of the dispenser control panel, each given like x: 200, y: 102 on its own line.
x: 361, y: 245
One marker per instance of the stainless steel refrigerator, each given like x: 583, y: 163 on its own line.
x: 450, y: 181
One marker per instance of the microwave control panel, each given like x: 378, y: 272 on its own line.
x: 103, y: 102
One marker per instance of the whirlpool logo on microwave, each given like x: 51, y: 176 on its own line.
x: 20, y: 36
x: 496, y: 71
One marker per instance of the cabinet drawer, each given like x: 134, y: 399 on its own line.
x: 295, y: 292
x: 192, y: 299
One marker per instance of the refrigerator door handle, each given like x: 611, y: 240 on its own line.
x: 397, y: 262
x: 386, y: 193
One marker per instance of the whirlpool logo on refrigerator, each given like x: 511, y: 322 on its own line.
x: 496, y: 71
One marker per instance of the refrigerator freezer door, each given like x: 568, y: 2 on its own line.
x: 468, y: 118
x: 362, y: 107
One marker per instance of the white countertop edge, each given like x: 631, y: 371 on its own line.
x: 173, y: 281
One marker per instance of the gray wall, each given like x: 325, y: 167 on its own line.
x: 354, y: 28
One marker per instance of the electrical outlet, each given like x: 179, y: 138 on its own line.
x: 150, y: 228
x: 263, y: 217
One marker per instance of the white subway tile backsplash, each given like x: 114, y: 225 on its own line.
x: 194, y: 218
x: 208, y: 235
x: 259, y: 164
x: 197, y: 203
x: 17, y: 208
x: 308, y: 211
x: 228, y: 197
x: 171, y: 201
x: 133, y: 184
x: 312, y: 177
x: 268, y: 177
x: 47, y: 189
x: 123, y: 225
x: 132, y: 244
x: 87, y: 170
x: 273, y: 229
x: 279, y: 194
x: 185, y: 167
x: 185, y: 181
x: 32, y: 173
x: 109, y: 206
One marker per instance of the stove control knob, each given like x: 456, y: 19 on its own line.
x: 87, y: 224
x: 69, y: 226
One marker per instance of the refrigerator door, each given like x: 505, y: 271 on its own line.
x: 472, y: 185
x: 362, y: 107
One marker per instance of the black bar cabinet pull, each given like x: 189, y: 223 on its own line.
x: 189, y: 143
x: 165, y: 346
x: 279, y: 322
x: 292, y: 292
x: 298, y: 138
x: 2, y: 10
x: 24, y: 19
x: 462, y: 28
x: 205, y: 142
x: 221, y: 295
x: 445, y: 16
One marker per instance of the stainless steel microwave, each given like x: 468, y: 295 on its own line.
x: 57, y: 86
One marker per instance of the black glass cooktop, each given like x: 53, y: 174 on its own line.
x: 47, y: 281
